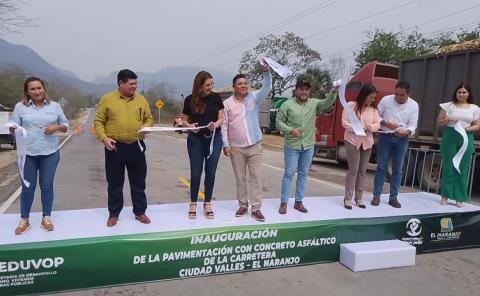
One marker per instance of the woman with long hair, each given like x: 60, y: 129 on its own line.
x: 459, y: 110
x: 42, y: 119
x: 359, y: 148
x: 203, y: 108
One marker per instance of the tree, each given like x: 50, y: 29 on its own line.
x: 467, y: 36
x: 288, y: 49
x: 451, y: 38
x: 391, y: 48
x: 11, y: 91
x: 11, y: 86
x: 163, y: 91
x: 337, y: 68
x: 10, y: 18
x: 320, y: 80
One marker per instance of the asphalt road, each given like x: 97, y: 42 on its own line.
x: 80, y: 177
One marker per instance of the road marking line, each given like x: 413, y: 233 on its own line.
x: 17, y: 192
x: 273, y: 145
x: 8, y: 180
x: 334, y: 185
x: 185, y: 182
x: 65, y: 141
x: 10, y: 200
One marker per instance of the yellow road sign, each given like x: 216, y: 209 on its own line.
x: 159, y: 103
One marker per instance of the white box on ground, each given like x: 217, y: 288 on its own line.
x: 377, y: 255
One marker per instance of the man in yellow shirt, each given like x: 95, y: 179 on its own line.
x: 121, y: 113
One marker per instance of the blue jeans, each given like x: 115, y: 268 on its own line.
x: 394, y: 148
x: 45, y: 165
x: 296, y: 161
x: 198, y: 148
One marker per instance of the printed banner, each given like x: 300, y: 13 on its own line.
x: 104, y: 261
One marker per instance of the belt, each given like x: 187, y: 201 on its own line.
x: 390, y: 134
x: 126, y: 142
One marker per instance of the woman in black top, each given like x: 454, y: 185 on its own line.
x: 203, y: 108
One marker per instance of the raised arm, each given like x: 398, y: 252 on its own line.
x: 325, y: 104
x: 262, y: 93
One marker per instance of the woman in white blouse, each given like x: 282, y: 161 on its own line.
x: 463, y: 113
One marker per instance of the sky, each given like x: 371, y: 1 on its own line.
x: 92, y: 38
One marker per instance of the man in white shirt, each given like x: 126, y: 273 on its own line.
x: 399, y: 115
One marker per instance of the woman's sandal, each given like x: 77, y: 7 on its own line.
x: 360, y: 204
x: 208, y: 213
x: 192, y: 212
x: 444, y: 202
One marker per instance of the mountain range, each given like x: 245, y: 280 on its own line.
x: 179, y: 78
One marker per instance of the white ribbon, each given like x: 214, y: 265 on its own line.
x: 283, y: 71
x: 459, y: 155
x: 354, y: 121
x: 175, y: 129
x: 21, y: 142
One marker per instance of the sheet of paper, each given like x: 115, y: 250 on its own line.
x: 459, y: 155
x: 174, y: 129
x: 283, y: 71
x: 21, y: 142
x: 356, y: 124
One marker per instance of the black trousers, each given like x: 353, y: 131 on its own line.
x: 127, y: 156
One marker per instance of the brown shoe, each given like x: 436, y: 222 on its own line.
x: 299, y: 207
x: 257, y: 215
x: 241, y: 211
x: 143, y: 219
x: 46, y: 223
x: 394, y: 203
x: 375, y: 201
x: 22, y: 227
x: 112, y: 221
x: 283, y: 208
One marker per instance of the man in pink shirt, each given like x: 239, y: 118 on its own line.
x: 242, y: 138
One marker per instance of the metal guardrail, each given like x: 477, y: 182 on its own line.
x: 423, y: 168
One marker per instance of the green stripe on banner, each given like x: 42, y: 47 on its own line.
x: 104, y: 261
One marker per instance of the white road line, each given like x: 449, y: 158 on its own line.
x: 10, y: 200
x: 65, y: 141
x: 323, y: 182
x: 273, y: 145
x: 9, y: 179
x: 17, y: 192
x: 327, y: 183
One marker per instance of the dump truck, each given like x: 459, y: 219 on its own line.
x: 433, y: 79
